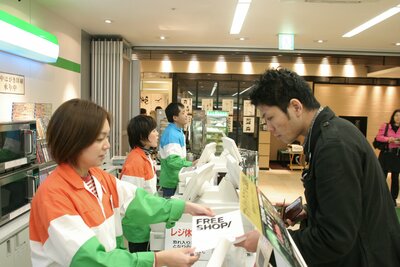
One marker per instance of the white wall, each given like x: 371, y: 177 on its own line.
x: 44, y: 83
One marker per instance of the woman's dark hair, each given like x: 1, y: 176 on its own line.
x: 392, y: 117
x: 172, y: 110
x: 74, y: 126
x: 139, y: 129
x: 277, y: 87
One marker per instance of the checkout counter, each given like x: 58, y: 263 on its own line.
x: 198, y: 184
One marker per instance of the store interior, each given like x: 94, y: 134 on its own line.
x: 127, y: 55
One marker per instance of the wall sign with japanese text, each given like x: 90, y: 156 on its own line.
x: 12, y: 84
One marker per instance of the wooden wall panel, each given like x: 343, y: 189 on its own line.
x: 375, y: 102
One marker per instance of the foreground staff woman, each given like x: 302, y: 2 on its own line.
x: 76, y: 214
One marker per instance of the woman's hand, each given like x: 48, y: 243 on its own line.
x: 250, y: 241
x: 178, y: 257
x: 198, y: 210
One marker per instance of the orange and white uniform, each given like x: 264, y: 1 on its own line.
x: 139, y: 170
x: 71, y: 226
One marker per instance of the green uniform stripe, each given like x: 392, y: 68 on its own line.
x: 92, y: 254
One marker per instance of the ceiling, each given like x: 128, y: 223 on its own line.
x: 202, y: 26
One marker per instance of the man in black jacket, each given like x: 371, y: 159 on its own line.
x: 350, y: 219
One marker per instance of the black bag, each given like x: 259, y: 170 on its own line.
x: 382, y: 146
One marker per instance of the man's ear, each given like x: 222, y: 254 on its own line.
x: 296, y: 105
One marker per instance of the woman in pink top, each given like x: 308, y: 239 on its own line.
x: 390, y: 158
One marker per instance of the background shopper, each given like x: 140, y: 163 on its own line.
x: 76, y: 215
x: 390, y: 158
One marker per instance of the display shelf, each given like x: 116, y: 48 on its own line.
x: 198, y: 137
x: 216, y: 127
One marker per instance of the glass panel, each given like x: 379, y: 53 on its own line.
x: 207, y: 90
x: 228, y: 94
x: 187, y: 89
x: 220, y: 88
x: 11, y: 146
x: 13, y: 196
x: 246, y: 140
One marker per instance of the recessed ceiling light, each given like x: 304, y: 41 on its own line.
x: 108, y: 21
x: 397, y: 44
x: 242, y: 38
x: 163, y: 37
x: 320, y: 41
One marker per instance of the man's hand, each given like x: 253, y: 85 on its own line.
x: 302, y: 215
x: 250, y: 241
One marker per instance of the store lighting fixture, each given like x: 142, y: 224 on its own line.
x: 245, y: 90
x: 190, y: 93
x: 242, y: 92
x: 23, y: 39
x: 213, y: 89
x: 385, y: 15
x: 240, y: 14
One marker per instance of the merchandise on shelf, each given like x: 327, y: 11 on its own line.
x: 216, y: 127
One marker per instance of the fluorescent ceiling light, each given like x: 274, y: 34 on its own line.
x: 245, y: 90
x: 23, y: 39
x: 385, y: 15
x: 213, y: 89
x: 240, y: 14
x: 242, y: 92
x: 190, y: 93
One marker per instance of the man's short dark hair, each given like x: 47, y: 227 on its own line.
x: 139, y: 129
x: 172, y: 110
x: 74, y: 126
x: 277, y: 87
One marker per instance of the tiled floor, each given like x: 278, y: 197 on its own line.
x: 282, y: 184
x: 279, y: 185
